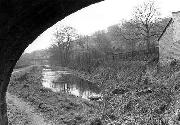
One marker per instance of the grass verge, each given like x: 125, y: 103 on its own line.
x: 61, y: 108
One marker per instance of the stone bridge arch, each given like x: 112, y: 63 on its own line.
x: 21, y: 22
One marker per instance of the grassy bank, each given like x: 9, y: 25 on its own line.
x: 15, y: 116
x: 134, y: 94
x: 131, y: 95
x: 58, y: 107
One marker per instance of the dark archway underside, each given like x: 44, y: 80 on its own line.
x: 22, y: 21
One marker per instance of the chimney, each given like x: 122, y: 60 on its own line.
x: 176, y: 25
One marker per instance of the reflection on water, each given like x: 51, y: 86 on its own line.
x: 65, y: 81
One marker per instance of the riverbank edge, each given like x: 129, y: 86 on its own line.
x: 72, y: 98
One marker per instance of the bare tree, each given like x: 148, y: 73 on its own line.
x: 103, y: 43
x: 144, y: 21
x: 64, y: 37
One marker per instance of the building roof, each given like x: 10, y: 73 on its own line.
x: 170, y: 21
x: 176, y: 12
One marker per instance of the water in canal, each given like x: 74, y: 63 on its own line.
x: 66, y: 82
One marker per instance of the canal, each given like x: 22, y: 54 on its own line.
x: 65, y: 81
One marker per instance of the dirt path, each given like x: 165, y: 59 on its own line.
x: 35, y: 119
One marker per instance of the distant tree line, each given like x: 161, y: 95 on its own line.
x: 134, y: 39
x: 130, y: 39
x: 36, y: 57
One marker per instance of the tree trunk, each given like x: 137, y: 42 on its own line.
x: 148, y: 39
x: 113, y: 57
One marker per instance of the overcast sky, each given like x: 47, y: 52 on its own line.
x: 99, y: 16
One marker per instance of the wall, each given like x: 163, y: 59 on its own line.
x: 169, y: 43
